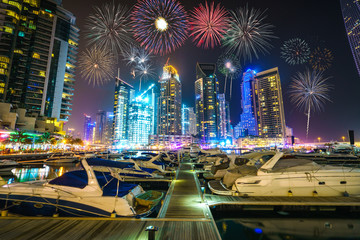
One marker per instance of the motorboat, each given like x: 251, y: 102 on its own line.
x: 290, y: 176
x: 146, y: 163
x: 86, y: 192
x: 62, y: 159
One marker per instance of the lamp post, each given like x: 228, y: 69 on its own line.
x: 319, y: 138
x: 343, y: 138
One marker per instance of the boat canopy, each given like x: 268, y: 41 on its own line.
x: 78, y: 179
x: 112, y: 186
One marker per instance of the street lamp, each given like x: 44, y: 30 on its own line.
x: 319, y: 138
x: 343, y: 138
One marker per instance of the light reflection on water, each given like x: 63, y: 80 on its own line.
x: 37, y: 172
x: 289, y: 228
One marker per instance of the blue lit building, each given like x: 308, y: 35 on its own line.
x: 224, y: 118
x: 206, y: 103
x: 88, y: 129
x: 140, y: 120
x: 248, y: 121
x: 351, y: 14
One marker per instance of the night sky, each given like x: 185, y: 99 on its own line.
x: 318, y: 22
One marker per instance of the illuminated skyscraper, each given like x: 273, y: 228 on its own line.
x: 140, y: 120
x: 206, y: 102
x: 169, y: 104
x: 224, y: 117
x: 88, y: 128
x: 123, y: 96
x: 38, y: 48
x: 248, y: 120
x: 270, y: 107
x: 351, y: 14
x: 188, y: 121
x: 108, y: 130
x: 100, y: 126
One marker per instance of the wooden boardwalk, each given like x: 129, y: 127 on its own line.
x: 184, y: 199
x: 101, y: 228
x: 214, y: 200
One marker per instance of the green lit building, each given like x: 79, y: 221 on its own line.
x: 38, y: 48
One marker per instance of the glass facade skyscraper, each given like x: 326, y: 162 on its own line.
x: 169, y: 104
x: 38, y: 48
x: 188, y: 121
x: 206, y: 102
x: 224, y: 117
x: 351, y: 14
x: 123, y: 97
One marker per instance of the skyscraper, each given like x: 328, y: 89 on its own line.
x: 270, y: 107
x: 38, y: 48
x: 188, y: 121
x: 87, y: 134
x: 100, y: 126
x: 206, y: 102
x: 224, y: 117
x: 248, y: 121
x: 351, y: 14
x: 108, y: 130
x: 123, y: 96
x: 169, y: 104
x: 140, y: 120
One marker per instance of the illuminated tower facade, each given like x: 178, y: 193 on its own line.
x: 169, y: 104
x: 248, y: 119
x: 100, y: 126
x: 38, y: 48
x: 124, y: 93
x: 269, y: 104
x: 224, y: 117
x: 206, y: 102
x: 88, y: 129
x: 188, y: 120
x: 351, y: 14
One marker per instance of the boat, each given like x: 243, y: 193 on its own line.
x: 8, y: 165
x: 79, y: 193
x: 2, y: 181
x: 62, y: 159
x: 290, y: 176
x: 148, y: 163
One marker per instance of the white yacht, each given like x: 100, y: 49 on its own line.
x: 289, y: 176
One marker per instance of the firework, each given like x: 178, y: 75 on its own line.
x: 321, y: 59
x: 247, y: 34
x: 295, y: 51
x: 144, y: 71
x: 96, y: 65
x: 109, y: 27
x: 130, y: 55
x: 309, y: 92
x: 208, y: 25
x: 229, y: 65
x: 159, y: 25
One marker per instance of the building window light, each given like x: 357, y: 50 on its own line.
x: 36, y: 55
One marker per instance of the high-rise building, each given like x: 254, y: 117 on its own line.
x: 270, y: 107
x: 169, y: 104
x: 351, y: 14
x: 108, y: 130
x: 100, y: 126
x: 88, y: 128
x: 140, y: 120
x: 206, y: 102
x: 188, y: 121
x: 123, y: 96
x: 248, y: 120
x: 38, y: 48
x: 262, y: 105
x: 224, y: 117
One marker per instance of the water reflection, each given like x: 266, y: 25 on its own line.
x: 298, y: 228
x: 37, y: 172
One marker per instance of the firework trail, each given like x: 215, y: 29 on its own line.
x: 295, y: 51
x: 309, y: 91
x: 208, y: 25
x: 248, y: 35
x: 96, y: 65
x: 109, y: 27
x: 228, y: 65
x: 160, y: 26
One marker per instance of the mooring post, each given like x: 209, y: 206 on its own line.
x: 151, y: 232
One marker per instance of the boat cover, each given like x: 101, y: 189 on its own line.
x: 109, y: 184
x: 78, y: 179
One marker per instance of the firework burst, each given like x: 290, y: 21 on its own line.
x: 144, y: 72
x: 109, y: 27
x: 96, y: 65
x: 309, y: 92
x: 295, y: 51
x: 208, y: 25
x: 247, y: 34
x: 159, y: 25
x: 229, y: 65
x: 321, y: 59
